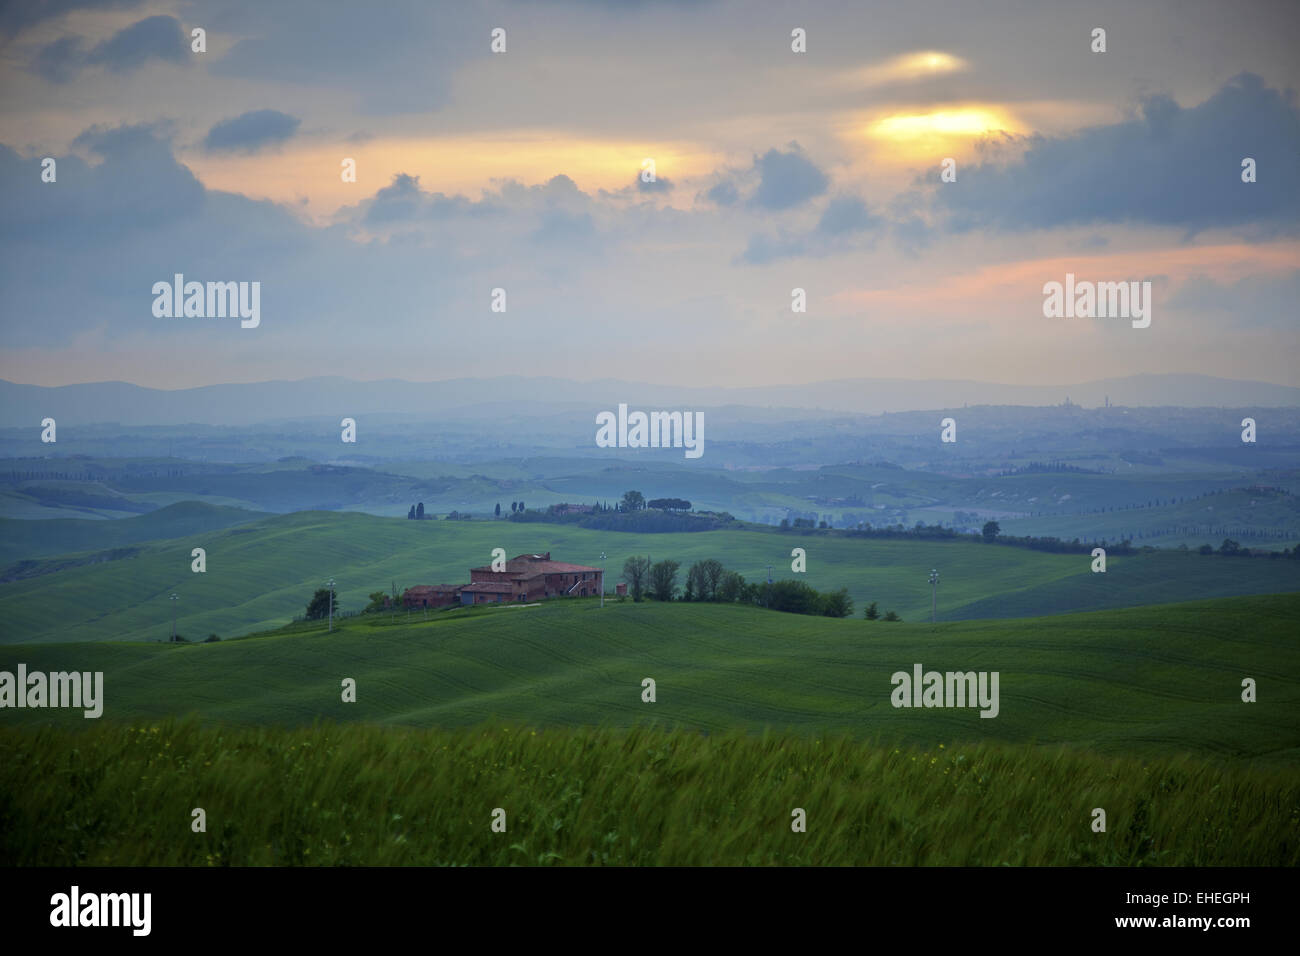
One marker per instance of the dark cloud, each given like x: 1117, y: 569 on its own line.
x: 18, y: 15
x: 724, y: 193
x: 84, y: 251
x: 845, y: 215
x: 787, y: 179
x: 252, y: 131
x: 403, y: 201
x: 153, y: 38
x: 394, y: 57
x: 59, y: 61
x: 1169, y: 166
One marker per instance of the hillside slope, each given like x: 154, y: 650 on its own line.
x: 1162, y: 679
x: 261, y: 574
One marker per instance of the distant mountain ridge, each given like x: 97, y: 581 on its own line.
x: 471, y: 398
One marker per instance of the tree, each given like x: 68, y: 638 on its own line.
x: 872, y: 612
x: 514, y: 506
x: 319, y: 607
x: 419, y: 511
x: 794, y: 597
x: 732, y: 586
x: 635, y: 570
x: 891, y: 616
x: 785, y: 524
x: 702, y: 580
x: 498, y: 511
x: 669, y: 504
x: 837, y: 603
x: 991, y: 530
x: 633, y: 501
x: 663, y: 580
x: 521, y: 507
x: 1229, y: 547
x: 713, y: 572
x: 377, y: 601
x: 411, y: 514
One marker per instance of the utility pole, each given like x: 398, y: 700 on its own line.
x: 602, y: 579
x: 934, y: 587
x: 174, y: 599
x: 330, y: 582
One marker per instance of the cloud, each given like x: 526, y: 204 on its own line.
x: 404, y: 201
x: 906, y: 67
x: 564, y: 227
x: 18, y: 16
x: 60, y: 60
x: 787, y: 179
x: 251, y: 131
x: 724, y: 193
x: 1169, y: 166
x: 847, y: 214
x: 153, y: 38
x: 843, y: 218
x: 660, y: 184
x: 392, y: 58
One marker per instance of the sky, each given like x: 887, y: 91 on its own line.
x: 527, y: 170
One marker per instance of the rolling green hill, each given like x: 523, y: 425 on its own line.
x: 1159, y: 679
x: 38, y: 539
x: 1257, y: 517
x: 260, y: 574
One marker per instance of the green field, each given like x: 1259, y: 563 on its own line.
x: 261, y: 572
x: 1152, y: 680
x: 331, y: 795
x: 538, y: 711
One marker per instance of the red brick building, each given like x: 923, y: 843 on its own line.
x: 431, y: 595
x: 531, y: 577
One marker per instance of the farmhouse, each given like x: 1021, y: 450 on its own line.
x: 531, y: 577
x: 527, y: 577
x: 431, y: 595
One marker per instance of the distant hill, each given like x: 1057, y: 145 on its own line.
x: 484, y: 399
x: 34, y: 539
x: 261, y: 574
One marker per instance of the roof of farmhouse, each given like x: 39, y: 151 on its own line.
x: 530, y: 565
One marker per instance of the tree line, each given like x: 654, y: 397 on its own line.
x: 710, y: 581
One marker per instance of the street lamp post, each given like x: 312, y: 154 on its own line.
x: 934, y: 586
x: 174, y: 598
x: 330, y: 582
